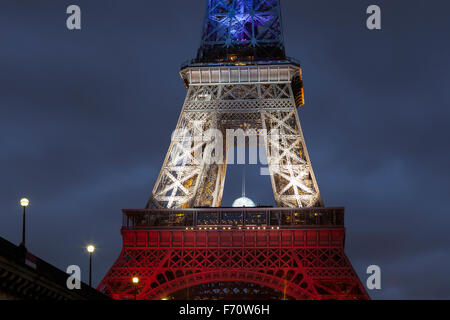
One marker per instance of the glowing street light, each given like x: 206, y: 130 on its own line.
x: 90, y: 248
x: 24, y: 202
x: 135, y: 281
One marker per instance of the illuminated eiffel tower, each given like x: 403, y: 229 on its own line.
x: 184, y: 245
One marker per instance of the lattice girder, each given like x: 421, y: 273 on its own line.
x: 242, y: 28
x: 300, y: 272
x: 259, y: 99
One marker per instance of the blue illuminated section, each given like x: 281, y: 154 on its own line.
x: 242, y: 27
x: 238, y: 21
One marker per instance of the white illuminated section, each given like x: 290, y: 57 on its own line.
x: 243, y: 202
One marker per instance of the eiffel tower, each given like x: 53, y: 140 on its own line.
x: 184, y: 245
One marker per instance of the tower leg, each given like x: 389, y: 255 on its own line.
x: 293, y: 181
x: 193, y: 173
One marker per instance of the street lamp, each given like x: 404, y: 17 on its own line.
x: 90, y: 248
x: 24, y: 202
x: 135, y: 281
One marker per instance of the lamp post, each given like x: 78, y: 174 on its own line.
x: 90, y: 248
x: 24, y: 202
x: 135, y: 281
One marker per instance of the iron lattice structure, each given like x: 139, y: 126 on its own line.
x: 224, y: 253
x: 242, y: 28
x: 241, y: 81
x: 260, y: 99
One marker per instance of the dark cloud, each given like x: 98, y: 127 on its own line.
x: 86, y: 118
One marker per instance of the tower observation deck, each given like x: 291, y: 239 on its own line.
x: 183, y: 244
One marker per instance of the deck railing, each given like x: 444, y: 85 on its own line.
x: 232, y: 217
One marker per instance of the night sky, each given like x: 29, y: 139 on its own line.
x: 86, y: 118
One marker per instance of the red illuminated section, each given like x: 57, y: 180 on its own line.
x: 278, y: 253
